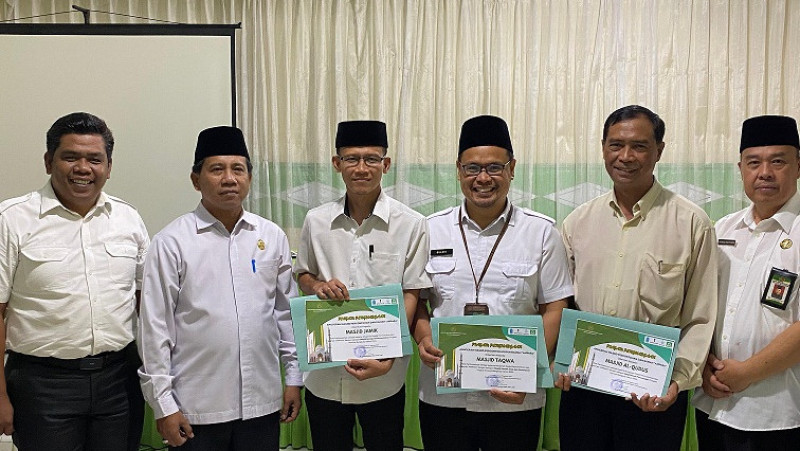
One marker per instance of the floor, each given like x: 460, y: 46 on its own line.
x: 6, y: 445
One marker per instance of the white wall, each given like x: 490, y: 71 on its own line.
x: 155, y: 92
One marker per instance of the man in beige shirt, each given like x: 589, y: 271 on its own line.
x: 644, y: 253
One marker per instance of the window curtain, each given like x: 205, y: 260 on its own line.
x: 552, y: 69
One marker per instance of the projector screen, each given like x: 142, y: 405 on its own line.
x: 156, y: 86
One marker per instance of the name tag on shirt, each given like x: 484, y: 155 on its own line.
x: 779, y: 288
x: 476, y: 309
x: 441, y: 252
x: 726, y: 242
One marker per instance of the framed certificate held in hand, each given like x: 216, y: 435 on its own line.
x: 615, y: 355
x: 370, y: 325
x: 485, y: 352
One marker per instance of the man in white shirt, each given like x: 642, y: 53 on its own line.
x: 364, y: 239
x: 71, y: 262
x: 751, y: 382
x: 490, y: 257
x: 215, y: 319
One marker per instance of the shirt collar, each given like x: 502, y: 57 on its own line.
x: 381, y: 208
x: 50, y: 202
x: 500, y: 219
x: 644, y: 205
x: 785, y: 217
x: 206, y: 220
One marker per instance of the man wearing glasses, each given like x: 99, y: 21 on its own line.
x: 488, y: 257
x: 364, y: 239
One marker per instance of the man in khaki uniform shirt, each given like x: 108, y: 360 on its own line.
x: 644, y: 253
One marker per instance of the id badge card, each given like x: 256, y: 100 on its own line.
x: 476, y: 308
x: 779, y: 288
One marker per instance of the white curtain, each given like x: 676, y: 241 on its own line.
x: 553, y: 69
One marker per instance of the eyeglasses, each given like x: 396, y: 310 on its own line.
x: 474, y: 169
x: 369, y: 160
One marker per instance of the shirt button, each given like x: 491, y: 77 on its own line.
x: 616, y: 285
x: 612, y: 312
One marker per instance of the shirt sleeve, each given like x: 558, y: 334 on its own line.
x: 144, y: 244
x: 285, y: 290
x: 566, y: 237
x: 306, y: 261
x: 555, y: 282
x: 699, y: 311
x: 414, y: 274
x: 9, y: 257
x: 160, y: 288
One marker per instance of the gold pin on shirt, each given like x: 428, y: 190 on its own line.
x: 261, y: 244
x: 786, y: 244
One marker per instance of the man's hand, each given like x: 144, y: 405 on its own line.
x: 657, y: 403
x: 711, y: 384
x: 363, y: 369
x: 563, y: 381
x: 508, y: 397
x: 332, y: 289
x: 175, y: 429
x: 291, y: 404
x: 734, y: 374
x: 6, y: 415
x: 429, y: 354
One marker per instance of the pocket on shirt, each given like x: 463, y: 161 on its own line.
x: 521, y: 277
x: 267, y: 272
x: 661, y: 286
x: 46, y: 268
x: 440, y: 270
x: 121, y: 258
x: 384, y: 269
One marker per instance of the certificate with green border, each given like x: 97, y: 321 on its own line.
x: 484, y: 352
x: 615, y: 355
x: 371, y: 324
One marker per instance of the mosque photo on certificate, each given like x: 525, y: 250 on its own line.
x: 576, y: 371
x: 316, y: 352
x: 449, y: 378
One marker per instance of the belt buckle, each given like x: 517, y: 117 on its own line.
x: 91, y: 363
